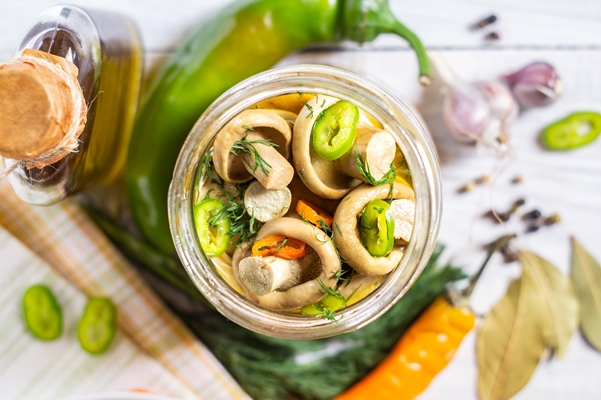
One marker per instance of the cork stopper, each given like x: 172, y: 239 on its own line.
x: 42, y: 110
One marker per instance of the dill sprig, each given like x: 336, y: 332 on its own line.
x: 205, y: 166
x: 310, y: 108
x: 363, y: 168
x: 242, y: 222
x: 248, y: 146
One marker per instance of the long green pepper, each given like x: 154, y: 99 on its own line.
x: 244, y: 39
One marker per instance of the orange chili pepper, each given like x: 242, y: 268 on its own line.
x: 425, y: 349
x: 313, y: 214
x: 280, y: 246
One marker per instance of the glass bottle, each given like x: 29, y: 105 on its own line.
x: 106, y: 49
x: 398, y: 119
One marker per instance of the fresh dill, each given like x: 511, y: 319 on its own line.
x: 310, y: 108
x: 325, y: 311
x: 379, y: 210
x: 324, y: 103
x: 248, y: 146
x: 248, y: 127
x: 243, y: 224
x: 281, y: 246
x: 363, y: 168
x: 300, y: 94
x: 205, y: 166
x: 338, y: 229
x: 340, y: 274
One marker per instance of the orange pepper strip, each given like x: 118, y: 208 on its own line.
x: 313, y: 213
x: 423, y: 351
x: 280, y: 246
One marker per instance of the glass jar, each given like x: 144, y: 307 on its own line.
x: 397, y: 118
x: 106, y: 49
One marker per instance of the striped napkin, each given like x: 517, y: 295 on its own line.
x: 65, y: 238
x: 36, y: 370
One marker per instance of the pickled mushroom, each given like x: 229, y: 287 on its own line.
x: 334, y: 178
x: 347, y: 237
x: 301, y: 294
x: 255, y: 143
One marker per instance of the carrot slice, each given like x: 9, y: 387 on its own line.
x: 313, y: 214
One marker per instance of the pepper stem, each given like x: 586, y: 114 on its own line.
x: 425, y: 71
x: 364, y: 20
x: 492, y: 249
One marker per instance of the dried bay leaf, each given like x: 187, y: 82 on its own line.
x: 586, y: 277
x: 561, y: 307
x: 511, y: 340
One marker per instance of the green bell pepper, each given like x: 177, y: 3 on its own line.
x: 575, y: 130
x: 335, y: 129
x: 244, y: 39
x: 377, y: 228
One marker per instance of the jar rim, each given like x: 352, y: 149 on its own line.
x: 409, y: 133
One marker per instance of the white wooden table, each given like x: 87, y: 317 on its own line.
x: 564, y: 33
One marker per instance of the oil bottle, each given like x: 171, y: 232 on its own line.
x: 67, y: 103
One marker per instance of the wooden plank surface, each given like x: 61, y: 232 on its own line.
x: 565, y: 33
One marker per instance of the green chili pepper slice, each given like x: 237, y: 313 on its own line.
x: 377, y: 228
x: 334, y: 130
x: 575, y: 130
x: 43, y: 315
x: 98, y: 325
x: 213, y: 226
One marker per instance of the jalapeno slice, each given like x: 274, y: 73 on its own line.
x: 334, y: 130
x: 98, y: 325
x: 43, y: 315
x: 212, y: 226
x: 575, y: 130
x: 377, y: 228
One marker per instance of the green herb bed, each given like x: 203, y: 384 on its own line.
x: 269, y: 368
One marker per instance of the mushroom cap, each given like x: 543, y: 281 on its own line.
x: 321, y: 176
x: 310, y: 291
x: 269, y: 124
x: 346, y: 218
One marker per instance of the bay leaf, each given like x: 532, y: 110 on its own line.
x: 586, y: 277
x: 561, y: 309
x: 511, y: 340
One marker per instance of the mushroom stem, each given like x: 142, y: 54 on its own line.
x: 277, y: 173
x: 403, y: 212
x: 262, y: 275
x: 376, y: 147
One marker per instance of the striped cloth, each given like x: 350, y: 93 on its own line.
x: 37, y: 370
x: 65, y: 238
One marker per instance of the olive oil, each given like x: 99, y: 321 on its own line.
x: 106, y: 49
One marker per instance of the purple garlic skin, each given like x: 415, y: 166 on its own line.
x: 466, y: 114
x: 535, y: 85
x: 503, y: 105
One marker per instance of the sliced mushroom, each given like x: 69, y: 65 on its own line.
x: 255, y: 126
x: 377, y: 149
x: 321, y: 176
x: 305, y: 293
x: 266, y: 204
x: 347, y: 236
x: 263, y: 275
x: 332, y: 179
x: 403, y: 211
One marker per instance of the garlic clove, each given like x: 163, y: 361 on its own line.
x: 535, y: 85
x: 466, y: 114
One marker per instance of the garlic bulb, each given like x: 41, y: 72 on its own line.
x: 466, y: 114
x: 503, y: 105
x: 535, y: 85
